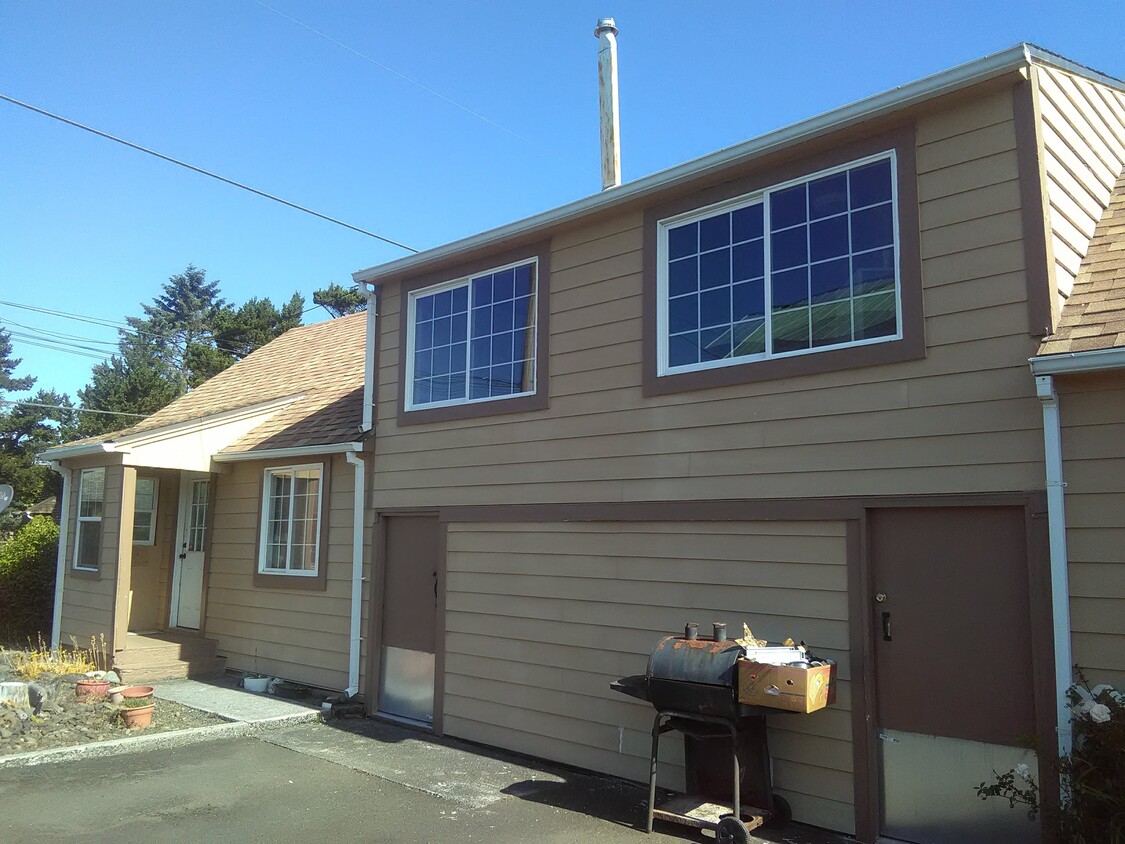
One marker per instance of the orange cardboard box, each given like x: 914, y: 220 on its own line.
x: 785, y: 687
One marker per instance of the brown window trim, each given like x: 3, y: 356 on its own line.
x: 319, y: 583
x: 539, y: 400
x: 912, y: 346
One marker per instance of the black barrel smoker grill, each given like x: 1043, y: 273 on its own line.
x: 693, y: 684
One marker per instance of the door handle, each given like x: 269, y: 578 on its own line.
x: 886, y: 627
x: 183, y: 556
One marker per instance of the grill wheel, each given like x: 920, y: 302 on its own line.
x: 732, y: 831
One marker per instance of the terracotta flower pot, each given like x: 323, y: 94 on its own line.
x: 138, y: 717
x: 90, y: 689
x: 137, y: 691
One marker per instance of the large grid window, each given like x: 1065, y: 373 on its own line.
x: 473, y: 339
x: 144, y: 512
x: 91, y: 507
x: 798, y: 268
x: 291, y: 502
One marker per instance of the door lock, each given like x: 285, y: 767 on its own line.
x: 881, y: 597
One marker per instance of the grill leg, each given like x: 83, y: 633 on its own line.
x: 737, y: 771
x: 652, y: 769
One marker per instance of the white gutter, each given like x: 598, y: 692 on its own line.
x: 1095, y: 361
x: 60, y: 564
x: 369, y: 357
x: 1060, y: 578
x: 936, y: 85
x: 358, y: 501
x: 295, y: 451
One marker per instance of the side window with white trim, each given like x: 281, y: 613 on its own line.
x: 91, y: 507
x: 144, y: 511
x: 291, y: 512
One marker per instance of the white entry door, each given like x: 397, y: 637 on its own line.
x: 191, y: 537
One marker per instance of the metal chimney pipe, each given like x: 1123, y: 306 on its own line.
x: 606, y: 32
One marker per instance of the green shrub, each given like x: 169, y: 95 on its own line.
x: 27, y: 579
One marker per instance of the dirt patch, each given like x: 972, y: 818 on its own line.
x: 53, y: 717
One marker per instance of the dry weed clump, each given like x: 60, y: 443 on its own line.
x: 39, y: 658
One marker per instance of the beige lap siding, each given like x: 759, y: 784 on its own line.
x: 298, y: 634
x: 542, y: 616
x: 87, y: 610
x: 1083, y: 126
x: 964, y: 419
x: 1093, y: 418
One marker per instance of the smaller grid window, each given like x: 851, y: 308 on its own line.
x: 291, y: 521
x: 91, y: 506
x: 474, y: 339
x: 197, y: 517
x: 144, y: 512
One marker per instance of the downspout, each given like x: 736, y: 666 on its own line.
x: 356, y: 459
x: 1060, y: 579
x: 359, y: 494
x: 60, y: 565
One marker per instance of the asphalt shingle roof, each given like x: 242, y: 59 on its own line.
x: 1093, y: 318
x: 320, y: 365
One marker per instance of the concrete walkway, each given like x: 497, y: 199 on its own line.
x: 221, y: 697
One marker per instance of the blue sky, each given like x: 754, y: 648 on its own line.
x: 238, y: 87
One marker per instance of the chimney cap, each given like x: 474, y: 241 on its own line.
x: 605, y: 25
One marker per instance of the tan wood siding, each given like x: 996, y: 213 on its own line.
x: 962, y: 420
x: 151, y: 563
x: 1083, y: 126
x: 297, y: 634
x: 1093, y: 418
x: 529, y: 658
x: 87, y: 610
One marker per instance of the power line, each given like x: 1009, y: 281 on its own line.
x: 201, y: 171
x: 75, y: 409
x: 414, y: 82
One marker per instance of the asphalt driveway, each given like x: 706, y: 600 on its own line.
x: 309, y: 781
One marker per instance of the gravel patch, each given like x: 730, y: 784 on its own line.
x: 52, y: 717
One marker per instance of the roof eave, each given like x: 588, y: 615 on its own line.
x: 291, y: 451
x: 65, y: 452
x: 930, y: 87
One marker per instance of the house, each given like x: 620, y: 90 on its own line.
x: 785, y: 384
x: 165, y: 535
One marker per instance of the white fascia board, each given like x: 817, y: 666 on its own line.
x: 213, y: 420
x: 1099, y: 360
x: 295, y: 451
x: 65, y: 452
x: 998, y: 64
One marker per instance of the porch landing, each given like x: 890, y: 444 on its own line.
x: 168, y: 655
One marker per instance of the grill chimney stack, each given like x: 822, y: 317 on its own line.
x: 606, y: 32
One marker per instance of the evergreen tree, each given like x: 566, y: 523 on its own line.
x: 138, y: 380
x: 340, y: 301
x: 8, y: 364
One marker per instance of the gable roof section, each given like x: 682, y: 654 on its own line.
x: 309, y: 381
x: 1093, y: 318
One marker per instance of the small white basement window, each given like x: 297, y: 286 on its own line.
x: 472, y: 339
x: 798, y: 268
x: 290, y: 530
x: 91, y: 506
x: 144, y: 512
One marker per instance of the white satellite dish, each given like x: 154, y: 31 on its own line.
x: 6, y: 493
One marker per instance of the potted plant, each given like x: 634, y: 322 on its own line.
x: 136, y: 712
x: 91, y: 687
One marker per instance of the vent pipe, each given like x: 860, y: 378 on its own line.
x: 606, y: 32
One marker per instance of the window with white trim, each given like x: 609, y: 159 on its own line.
x: 91, y: 507
x: 473, y: 339
x: 290, y: 532
x: 798, y: 268
x: 144, y: 512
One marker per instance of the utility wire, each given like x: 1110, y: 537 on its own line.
x: 120, y: 327
x: 75, y: 409
x: 201, y: 171
x: 413, y: 82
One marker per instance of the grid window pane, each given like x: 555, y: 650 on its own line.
x: 828, y: 278
x: 488, y: 347
x: 89, y: 544
x: 91, y: 496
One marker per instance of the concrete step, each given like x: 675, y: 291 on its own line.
x: 173, y: 670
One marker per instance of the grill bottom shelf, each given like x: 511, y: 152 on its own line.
x: 701, y: 813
